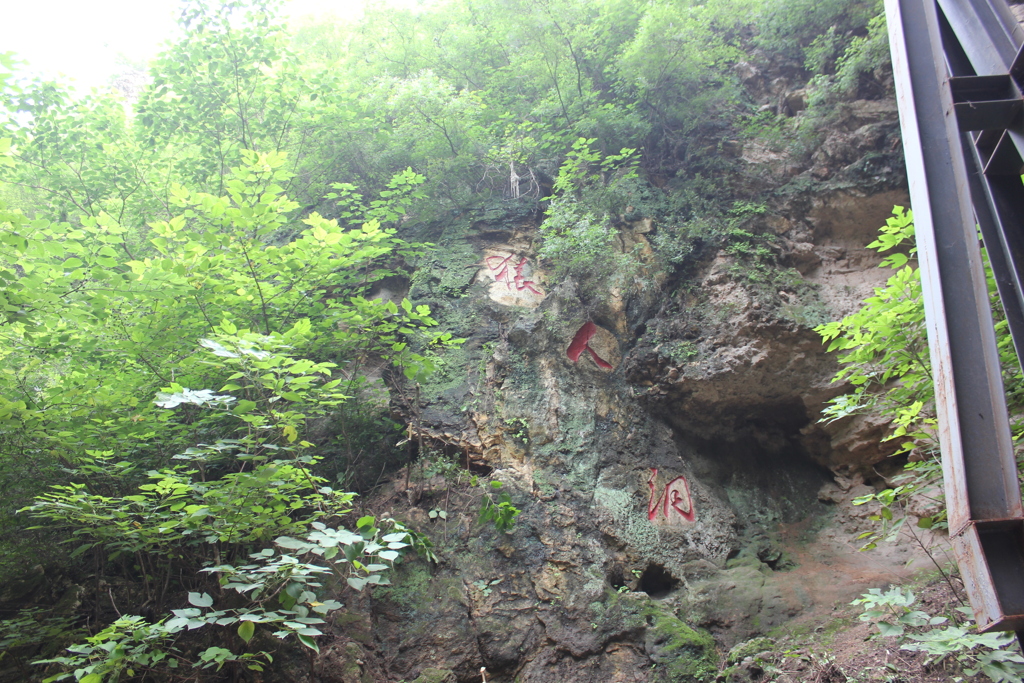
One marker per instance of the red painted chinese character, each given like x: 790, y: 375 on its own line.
x: 521, y: 282
x: 511, y: 277
x: 675, y: 499
x: 581, y: 343
x: 501, y: 269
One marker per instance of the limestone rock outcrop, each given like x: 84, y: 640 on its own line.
x: 661, y: 440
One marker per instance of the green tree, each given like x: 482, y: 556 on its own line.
x: 884, y: 352
x: 884, y: 347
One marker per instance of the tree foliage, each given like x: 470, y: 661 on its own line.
x: 883, y: 348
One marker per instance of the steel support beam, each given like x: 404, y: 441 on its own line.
x: 986, y: 519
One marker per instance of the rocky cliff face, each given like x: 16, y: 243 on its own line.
x: 677, y: 494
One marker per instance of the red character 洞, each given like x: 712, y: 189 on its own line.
x: 674, y: 501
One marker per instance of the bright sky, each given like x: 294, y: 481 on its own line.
x: 82, y: 39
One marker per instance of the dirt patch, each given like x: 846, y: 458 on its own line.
x: 847, y: 649
x: 832, y: 571
x: 827, y: 642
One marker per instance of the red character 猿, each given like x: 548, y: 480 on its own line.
x: 514, y: 276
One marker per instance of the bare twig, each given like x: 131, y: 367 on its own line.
x: 110, y: 592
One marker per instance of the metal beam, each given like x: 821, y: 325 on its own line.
x: 997, y: 216
x: 987, y: 32
x: 986, y: 519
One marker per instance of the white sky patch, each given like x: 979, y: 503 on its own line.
x: 81, y: 40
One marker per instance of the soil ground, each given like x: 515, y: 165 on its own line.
x: 828, y: 643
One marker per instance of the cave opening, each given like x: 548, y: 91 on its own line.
x: 768, y: 471
x: 657, y: 582
x: 479, y: 469
x: 617, y: 579
x: 437, y: 456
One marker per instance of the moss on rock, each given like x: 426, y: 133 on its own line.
x: 749, y: 649
x: 436, y: 676
x: 682, y: 654
x: 633, y: 526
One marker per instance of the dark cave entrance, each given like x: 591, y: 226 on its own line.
x: 768, y: 469
x: 657, y: 582
x: 436, y: 451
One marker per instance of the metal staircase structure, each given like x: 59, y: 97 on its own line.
x: 959, y: 71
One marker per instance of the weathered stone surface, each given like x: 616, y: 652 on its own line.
x: 436, y: 676
x: 347, y: 663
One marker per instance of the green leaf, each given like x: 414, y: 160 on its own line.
x: 246, y: 630
x: 309, y: 642
x: 200, y: 600
x: 244, y: 406
x: 895, y: 261
x: 291, y: 543
x: 887, y: 629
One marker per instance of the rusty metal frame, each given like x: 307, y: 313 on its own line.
x: 958, y: 68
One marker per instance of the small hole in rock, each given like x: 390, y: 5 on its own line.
x: 479, y: 469
x: 657, y: 582
x: 615, y: 578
